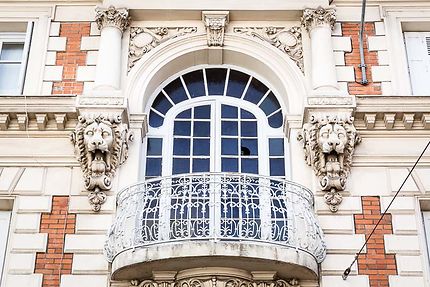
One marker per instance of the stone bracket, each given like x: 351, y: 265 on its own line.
x: 215, y: 23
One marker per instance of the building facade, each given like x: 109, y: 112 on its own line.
x: 214, y: 143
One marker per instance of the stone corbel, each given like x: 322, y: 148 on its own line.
x: 329, y: 140
x: 215, y: 23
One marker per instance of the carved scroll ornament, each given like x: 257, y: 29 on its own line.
x: 101, y: 146
x: 329, y: 142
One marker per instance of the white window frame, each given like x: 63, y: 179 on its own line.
x: 5, y: 218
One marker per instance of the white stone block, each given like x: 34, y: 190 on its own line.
x: 345, y: 73
x: 8, y: 176
x: 336, y: 224
x: 409, y: 265
x: 57, y: 43
x: 77, y: 185
x: 423, y: 174
x: 51, y: 58
x: 353, y: 13
x: 27, y: 222
x: 90, y: 43
x: 84, y: 243
x: 74, y: 13
x: 337, y: 30
x: 404, y: 224
x: 342, y: 44
x: 92, y: 58
x: 54, y: 31
x: 383, y: 58
x: 94, y: 30
x: 31, y: 280
x: 343, y: 86
x: 402, y: 204
x: 344, y: 244
x: 397, y: 176
x: 368, y: 181
x: 379, y: 28
x: 31, y: 180
x: 80, y: 204
x: 387, y: 88
x: 377, y: 43
x: 349, y: 205
x: 402, y: 281
x: 28, y: 242
x: 93, y: 223
x: 85, y: 73
x: 89, y: 264
x: 34, y: 204
x: 58, y: 181
x: 47, y: 88
x: 339, y: 58
x: 88, y: 86
x: 335, y: 264
x: 381, y: 73
x: 53, y: 73
x: 84, y: 280
x: 337, y: 281
x: 21, y: 263
x: 402, y: 244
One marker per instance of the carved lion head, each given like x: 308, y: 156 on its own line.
x: 98, y: 136
x: 332, y: 137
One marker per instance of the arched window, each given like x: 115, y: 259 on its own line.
x: 215, y: 119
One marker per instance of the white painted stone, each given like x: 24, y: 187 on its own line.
x: 92, y: 58
x: 349, y: 205
x: 404, y: 224
x: 53, y: 73
x: 343, y: 86
x: 377, y: 43
x: 409, y: 265
x: 21, y: 263
x: 381, y: 73
x: 7, y: 177
x: 81, y: 13
x: 423, y: 174
x: 31, y: 181
x: 339, y: 58
x: 402, y: 281
x: 353, y: 14
x: 31, y: 280
x: 344, y: 243
x: 397, y: 176
x: 94, y: 30
x: 54, y: 31
x: 387, y: 88
x: 88, y: 86
x: 27, y: 222
x: 90, y: 43
x: 383, y: 58
x: 77, y: 185
x: 34, y: 204
x: 337, y: 30
x: 51, y: 58
x: 402, y: 204
x: 85, y: 73
x: 28, y: 242
x: 402, y: 244
x: 84, y: 243
x: 336, y: 224
x: 84, y: 280
x: 379, y: 28
x: 57, y: 43
x: 368, y: 181
x: 337, y: 281
x: 342, y: 44
x: 89, y: 264
x: 345, y: 73
x: 58, y: 181
x: 80, y: 204
x: 47, y: 88
x: 93, y: 223
x: 334, y: 264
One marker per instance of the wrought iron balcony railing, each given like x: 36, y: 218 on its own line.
x: 215, y: 207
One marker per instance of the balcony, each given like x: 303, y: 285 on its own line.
x: 215, y: 220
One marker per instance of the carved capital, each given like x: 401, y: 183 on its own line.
x: 318, y: 17
x: 101, y: 146
x: 112, y: 17
x: 329, y: 141
x: 215, y: 23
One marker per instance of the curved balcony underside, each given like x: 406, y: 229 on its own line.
x: 215, y: 220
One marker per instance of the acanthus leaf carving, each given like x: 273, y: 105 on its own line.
x: 144, y: 39
x: 215, y: 23
x: 329, y: 142
x: 288, y: 40
x: 318, y: 17
x: 112, y: 17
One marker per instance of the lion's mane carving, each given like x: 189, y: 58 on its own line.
x: 328, y: 143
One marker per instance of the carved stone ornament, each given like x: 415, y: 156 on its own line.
x: 329, y: 142
x: 215, y: 23
x: 101, y: 146
x: 143, y: 40
x: 112, y: 17
x: 288, y: 40
x: 318, y: 17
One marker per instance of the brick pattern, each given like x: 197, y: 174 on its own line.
x: 71, y: 58
x: 375, y: 263
x: 57, y: 224
x: 353, y: 59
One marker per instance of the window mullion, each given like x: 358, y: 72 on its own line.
x: 25, y: 52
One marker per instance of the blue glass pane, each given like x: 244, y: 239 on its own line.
x: 153, y: 167
x: 155, y: 120
x: 276, y: 147
x: 275, y: 121
x: 176, y: 91
x: 229, y: 147
x: 202, y: 129
x: 229, y: 164
x: 244, y: 114
x: 236, y: 84
x: 248, y: 129
x: 182, y: 128
x: 184, y: 115
x: 216, y: 81
x: 228, y: 112
x: 255, y: 92
x: 251, y: 145
x: 277, y: 167
x: 154, y: 146
x: 202, y: 112
x: 270, y: 104
x: 200, y: 165
x: 181, y: 147
x: 181, y: 165
x: 194, y: 83
x: 201, y: 147
x: 161, y: 104
x: 229, y: 128
x: 249, y: 165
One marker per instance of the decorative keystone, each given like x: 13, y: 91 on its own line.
x: 318, y: 17
x: 329, y: 142
x: 215, y: 23
x: 112, y: 17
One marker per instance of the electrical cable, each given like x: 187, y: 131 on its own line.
x: 348, y: 270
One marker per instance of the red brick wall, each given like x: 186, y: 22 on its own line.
x: 375, y: 262
x: 353, y: 59
x: 71, y: 58
x: 57, y: 224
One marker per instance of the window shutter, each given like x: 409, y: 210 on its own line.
x: 4, y: 232
x: 418, y: 53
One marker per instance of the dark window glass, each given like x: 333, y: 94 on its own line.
x: 255, y: 92
x: 155, y: 120
x: 275, y: 121
x: 277, y: 167
x: 248, y: 129
x: 184, y: 115
x: 176, y: 91
x: 181, y: 147
x: 228, y: 112
x: 270, y: 104
x: 154, y: 146
x: 194, y: 83
x: 201, y: 147
x: 229, y: 128
x: 276, y: 147
x: 244, y: 114
x: 202, y: 112
x: 161, y: 104
x: 229, y: 146
x: 236, y: 84
x: 181, y: 165
x: 182, y: 128
x: 202, y: 129
x: 229, y: 164
x: 251, y: 145
x: 216, y: 81
x: 249, y: 165
x: 200, y: 165
x: 153, y: 167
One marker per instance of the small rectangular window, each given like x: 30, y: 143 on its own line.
x: 418, y: 53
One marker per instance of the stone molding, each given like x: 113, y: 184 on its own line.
x: 112, y: 17
x: 215, y: 23
x: 288, y: 40
x: 318, y: 17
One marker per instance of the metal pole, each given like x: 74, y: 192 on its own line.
x: 362, y: 65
